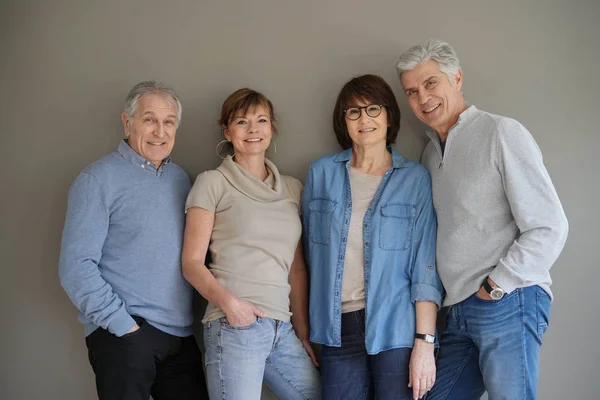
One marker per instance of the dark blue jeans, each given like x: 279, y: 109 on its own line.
x: 492, y: 346
x: 349, y: 373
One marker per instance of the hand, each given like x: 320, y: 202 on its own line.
x: 309, y: 350
x: 241, y: 312
x: 421, y: 368
x: 135, y: 328
x: 483, y: 294
x: 302, y: 332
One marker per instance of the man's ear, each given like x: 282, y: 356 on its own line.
x: 125, y: 120
x: 458, y: 80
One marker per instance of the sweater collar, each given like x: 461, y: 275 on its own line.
x: 133, y: 156
x: 465, y: 117
x: 248, y: 184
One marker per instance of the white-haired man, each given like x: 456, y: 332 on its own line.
x: 500, y: 228
x: 120, y: 259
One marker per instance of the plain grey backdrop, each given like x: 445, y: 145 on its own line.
x: 66, y: 67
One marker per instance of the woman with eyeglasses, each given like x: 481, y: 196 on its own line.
x: 369, y: 236
x: 247, y: 215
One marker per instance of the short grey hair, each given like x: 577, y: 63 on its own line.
x: 432, y: 49
x: 150, y: 87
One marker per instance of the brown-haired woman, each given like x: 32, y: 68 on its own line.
x: 369, y: 231
x: 247, y: 215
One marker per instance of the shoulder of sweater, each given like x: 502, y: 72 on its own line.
x: 294, y: 187
x: 104, y: 167
x: 500, y: 123
x: 178, y: 170
x: 292, y: 182
x: 212, y: 176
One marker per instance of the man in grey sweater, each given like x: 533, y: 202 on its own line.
x: 500, y: 228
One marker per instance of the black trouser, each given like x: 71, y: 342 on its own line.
x: 146, y: 362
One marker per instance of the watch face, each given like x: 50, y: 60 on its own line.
x: 497, y: 293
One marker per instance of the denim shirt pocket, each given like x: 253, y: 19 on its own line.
x: 396, y: 230
x: 321, y: 214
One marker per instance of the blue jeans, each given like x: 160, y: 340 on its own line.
x: 494, y: 346
x: 238, y: 358
x: 349, y: 373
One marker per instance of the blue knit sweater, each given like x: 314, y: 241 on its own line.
x: 121, y: 245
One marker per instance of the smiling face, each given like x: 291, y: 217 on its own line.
x: 433, y: 98
x: 367, y: 131
x: 250, y: 133
x: 151, y: 130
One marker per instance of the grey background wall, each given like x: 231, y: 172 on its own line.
x: 66, y: 66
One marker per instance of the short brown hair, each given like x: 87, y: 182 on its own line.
x: 370, y: 89
x: 243, y: 100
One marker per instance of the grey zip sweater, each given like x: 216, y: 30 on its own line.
x: 498, y: 212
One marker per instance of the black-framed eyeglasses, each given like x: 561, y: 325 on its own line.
x: 372, y: 110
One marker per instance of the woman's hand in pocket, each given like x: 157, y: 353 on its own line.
x: 241, y: 312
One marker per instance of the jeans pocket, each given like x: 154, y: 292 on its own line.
x: 321, y: 214
x: 543, y: 311
x: 492, y: 301
x: 227, y: 325
x: 141, y: 323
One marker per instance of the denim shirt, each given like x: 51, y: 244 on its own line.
x: 399, y: 235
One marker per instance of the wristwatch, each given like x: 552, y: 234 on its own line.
x: 495, y: 293
x: 424, y: 336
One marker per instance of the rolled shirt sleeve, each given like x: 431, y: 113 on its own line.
x: 425, y: 282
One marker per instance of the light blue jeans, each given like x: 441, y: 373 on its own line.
x: 492, y: 346
x: 238, y: 358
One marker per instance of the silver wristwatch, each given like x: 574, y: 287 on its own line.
x: 424, y: 336
x: 495, y: 293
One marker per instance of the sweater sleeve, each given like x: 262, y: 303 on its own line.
x: 206, y: 192
x: 85, y: 230
x: 295, y: 188
x: 535, y: 206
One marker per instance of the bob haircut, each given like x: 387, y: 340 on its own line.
x: 371, y: 89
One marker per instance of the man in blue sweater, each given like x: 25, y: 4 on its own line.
x: 120, y: 259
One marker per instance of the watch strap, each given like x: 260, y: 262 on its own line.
x: 426, y: 337
x: 488, y: 288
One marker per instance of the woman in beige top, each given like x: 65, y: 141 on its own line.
x: 247, y: 215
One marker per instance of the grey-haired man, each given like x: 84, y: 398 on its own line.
x: 500, y: 228
x: 120, y: 259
